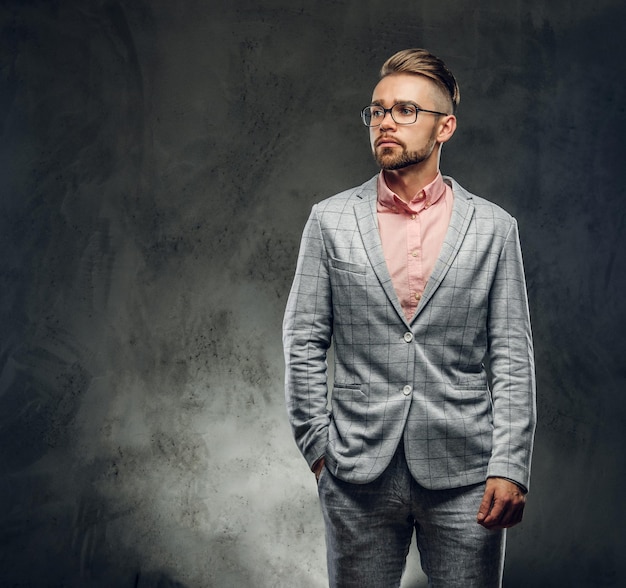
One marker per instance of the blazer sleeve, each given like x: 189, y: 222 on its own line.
x: 307, y: 333
x: 512, y: 367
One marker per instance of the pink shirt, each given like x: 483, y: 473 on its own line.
x: 412, y: 235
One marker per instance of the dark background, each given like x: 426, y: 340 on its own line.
x: 157, y: 163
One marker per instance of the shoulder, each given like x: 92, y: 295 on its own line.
x: 484, y: 210
x: 347, y: 199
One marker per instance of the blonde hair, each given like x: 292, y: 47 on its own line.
x: 423, y: 63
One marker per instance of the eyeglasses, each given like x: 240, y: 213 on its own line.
x: 403, y: 113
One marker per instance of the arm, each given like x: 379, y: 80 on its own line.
x: 513, y: 390
x: 307, y: 333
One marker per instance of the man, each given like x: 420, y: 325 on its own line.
x: 417, y: 283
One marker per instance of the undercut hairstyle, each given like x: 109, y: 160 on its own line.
x: 423, y: 63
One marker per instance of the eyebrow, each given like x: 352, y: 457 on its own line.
x: 379, y: 103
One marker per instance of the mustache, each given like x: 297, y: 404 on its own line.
x: 387, y: 139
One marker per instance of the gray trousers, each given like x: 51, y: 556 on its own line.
x: 369, y: 528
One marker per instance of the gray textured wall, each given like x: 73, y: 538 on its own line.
x: 158, y: 161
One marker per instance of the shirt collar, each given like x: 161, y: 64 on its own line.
x: 427, y: 196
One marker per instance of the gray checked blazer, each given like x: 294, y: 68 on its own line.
x: 422, y: 381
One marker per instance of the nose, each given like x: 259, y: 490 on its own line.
x: 387, y: 121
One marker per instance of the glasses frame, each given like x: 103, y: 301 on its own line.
x: 389, y: 110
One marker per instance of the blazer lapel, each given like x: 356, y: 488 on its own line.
x: 367, y: 221
x: 462, y: 211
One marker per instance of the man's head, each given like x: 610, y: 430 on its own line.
x: 412, y: 110
x: 420, y: 62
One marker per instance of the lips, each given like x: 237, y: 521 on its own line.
x: 385, y: 142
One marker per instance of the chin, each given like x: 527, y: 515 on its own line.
x: 389, y: 160
x: 392, y: 163
x: 395, y: 166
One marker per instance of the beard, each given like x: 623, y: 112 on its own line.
x: 392, y: 158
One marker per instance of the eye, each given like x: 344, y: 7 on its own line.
x: 406, y: 109
x: 377, y: 112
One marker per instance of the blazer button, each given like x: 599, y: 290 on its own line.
x: 408, y: 337
x: 407, y: 390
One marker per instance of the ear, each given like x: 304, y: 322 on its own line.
x: 447, y: 126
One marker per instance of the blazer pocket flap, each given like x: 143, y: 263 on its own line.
x: 351, y: 391
x: 473, y: 382
x: 347, y: 266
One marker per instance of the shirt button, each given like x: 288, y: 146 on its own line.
x: 407, y: 390
x: 415, y: 254
x: 408, y: 337
x: 418, y: 296
x: 413, y: 216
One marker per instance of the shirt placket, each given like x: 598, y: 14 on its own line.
x: 415, y: 259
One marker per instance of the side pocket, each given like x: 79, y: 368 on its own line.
x: 472, y: 382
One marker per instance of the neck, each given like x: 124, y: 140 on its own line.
x: 408, y: 181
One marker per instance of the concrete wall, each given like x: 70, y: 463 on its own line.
x: 157, y: 163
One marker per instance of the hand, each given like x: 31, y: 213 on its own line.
x: 317, y: 468
x: 502, y: 505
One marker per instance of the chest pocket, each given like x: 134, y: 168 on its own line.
x: 347, y: 266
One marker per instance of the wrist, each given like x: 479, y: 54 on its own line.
x: 317, y: 467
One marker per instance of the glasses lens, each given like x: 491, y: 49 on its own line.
x: 404, y: 113
x: 372, y: 115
